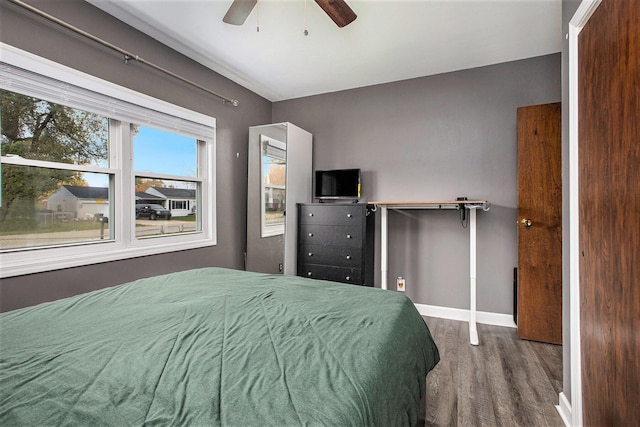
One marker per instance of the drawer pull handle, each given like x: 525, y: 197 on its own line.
x: 348, y: 236
x: 348, y: 256
x: 348, y: 278
x: 310, y: 234
x: 309, y: 273
x: 310, y: 213
x: 310, y: 253
x: 349, y: 216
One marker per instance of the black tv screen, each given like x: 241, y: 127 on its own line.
x: 338, y: 184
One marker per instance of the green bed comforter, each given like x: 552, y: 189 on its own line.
x: 216, y: 347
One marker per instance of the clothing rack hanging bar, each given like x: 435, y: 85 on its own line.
x: 128, y: 56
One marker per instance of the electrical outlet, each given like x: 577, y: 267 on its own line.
x: 400, y: 284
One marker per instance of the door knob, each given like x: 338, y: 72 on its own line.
x: 526, y: 222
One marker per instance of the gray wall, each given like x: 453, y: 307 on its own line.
x: 435, y: 138
x: 48, y: 40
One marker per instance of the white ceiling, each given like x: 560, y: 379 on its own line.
x: 389, y: 41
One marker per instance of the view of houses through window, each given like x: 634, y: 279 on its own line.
x: 165, y: 205
x: 50, y: 151
x: 58, y: 183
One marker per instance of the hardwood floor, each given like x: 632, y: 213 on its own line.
x: 504, y: 381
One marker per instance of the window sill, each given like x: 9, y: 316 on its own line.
x: 39, y: 261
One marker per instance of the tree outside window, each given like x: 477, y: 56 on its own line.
x: 49, y: 143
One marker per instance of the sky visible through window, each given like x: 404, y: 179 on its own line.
x: 159, y: 151
x: 163, y: 152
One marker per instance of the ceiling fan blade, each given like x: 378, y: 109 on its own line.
x: 239, y: 11
x: 338, y: 11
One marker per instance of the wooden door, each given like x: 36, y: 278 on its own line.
x: 609, y: 213
x: 540, y: 223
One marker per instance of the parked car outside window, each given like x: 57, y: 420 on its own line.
x: 152, y: 212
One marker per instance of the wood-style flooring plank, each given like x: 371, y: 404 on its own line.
x: 443, y: 381
x: 504, y: 381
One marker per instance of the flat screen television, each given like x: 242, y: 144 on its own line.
x: 337, y: 184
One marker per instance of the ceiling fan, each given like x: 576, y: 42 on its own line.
x: 338, y: 11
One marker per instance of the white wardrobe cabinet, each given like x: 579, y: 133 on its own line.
x: 279, y: 176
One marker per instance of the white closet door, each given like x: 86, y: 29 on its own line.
x: 299, y: 188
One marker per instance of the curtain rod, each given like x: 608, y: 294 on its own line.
x: 128, y: 56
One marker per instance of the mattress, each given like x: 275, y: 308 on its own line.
x: 216, y: 347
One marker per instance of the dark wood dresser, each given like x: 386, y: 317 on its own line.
x: 335, y: 242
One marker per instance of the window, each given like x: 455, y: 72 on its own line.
x: 159, y: 157
x: 179, y: 205
x: 71, y: 195
x: 50, y: 155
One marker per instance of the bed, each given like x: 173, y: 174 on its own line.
x: 216, y: 347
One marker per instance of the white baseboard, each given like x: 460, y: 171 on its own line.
x: 564, y: 409
x: 497, y: 319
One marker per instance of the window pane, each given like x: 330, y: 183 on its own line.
x: 274, y: 205
x: 40, y: 130
x: 163, y: 152
x: 44, y: 207
x: 165, y: 207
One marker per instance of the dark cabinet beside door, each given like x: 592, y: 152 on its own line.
x: 335, y: 242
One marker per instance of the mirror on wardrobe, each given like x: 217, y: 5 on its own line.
x: 273, y: 157
x: 279, y: 176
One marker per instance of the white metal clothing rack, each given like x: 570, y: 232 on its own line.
x: 472, y: 205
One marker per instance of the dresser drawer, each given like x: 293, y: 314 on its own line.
x: 338, y: 256
x: 335, y: 274
x: 331, y: 214
x: 334, y: 235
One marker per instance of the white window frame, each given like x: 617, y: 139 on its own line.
x: 143, y: 110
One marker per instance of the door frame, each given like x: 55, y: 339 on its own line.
x: 578, y: 21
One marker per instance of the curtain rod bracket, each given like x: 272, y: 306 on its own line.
x: 128, y: 58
